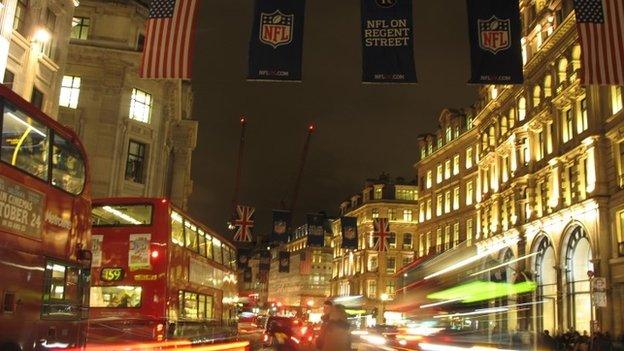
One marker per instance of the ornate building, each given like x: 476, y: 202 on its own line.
x: 548, y: 183
x: 365, y: 271
x: 138, y: 133
x: 34, y: 38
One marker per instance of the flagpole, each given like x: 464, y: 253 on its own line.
x: 304, y: 155
x: 239, y: 163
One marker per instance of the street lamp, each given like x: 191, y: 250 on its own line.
x: 310, y: 303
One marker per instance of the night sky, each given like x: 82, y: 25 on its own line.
x: 363, y: 130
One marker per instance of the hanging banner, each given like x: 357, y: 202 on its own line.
x: 349, y: 233
x: 247, y: 275
x: 138, y: 251
x: 495, y: 48
x: 284, y: 262
x: 387, y: 41
x: 96, y: 250
x: 281, y: 226
x: 265, y: 261
x: 316, y: 230
x: 243, y: 257
x: 276, y: 43
x: 243, y: 223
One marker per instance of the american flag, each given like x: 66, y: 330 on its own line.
x: 601, y: 31
x: 244, y: 223
x: 381, y: 232
x: 169, y: 39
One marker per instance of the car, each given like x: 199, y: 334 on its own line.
x: 286, y: 333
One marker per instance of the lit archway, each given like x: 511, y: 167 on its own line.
x: 578, y: 257
x: 546, y: 279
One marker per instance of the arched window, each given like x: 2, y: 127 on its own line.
x: 492, y: 136
x: 503, y: 125
x: 537, y: 96
x: 562, y: 70
x: 546, y: 279
x: 547, y: 86
x: 407, y: 241
x: 576, y: 57
x: 521, y: 108
x: 512, y: 118
x: 578, y: 261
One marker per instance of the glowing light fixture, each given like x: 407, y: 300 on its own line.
x: 41, y: 36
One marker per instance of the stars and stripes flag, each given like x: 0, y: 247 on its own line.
x: 600, y: 25
x: 243, y: 223
x: 169, y: 36
x: 380, y: 232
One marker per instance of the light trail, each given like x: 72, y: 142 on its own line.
x: 440, y: 347
x: 504, y: 264
x: 439, y: 303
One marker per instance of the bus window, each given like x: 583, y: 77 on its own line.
x: 24, y: 142
x: 61, y: 294
x: 120, y: 296
x: 216, y: 244
x: 190, y: 310
x: 68, y: 169
x: 202, y: 242
x: 202, y: 307
x: 191, y: 236
x: 177, y: 229
x: 121, y: 215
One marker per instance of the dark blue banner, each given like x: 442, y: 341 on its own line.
x: 349, y: 233
x: 265, y: 261
x: 244, y: 255
x: 284, y: 262
x: 276, y: 43
x: 316, y: 230
x: 281, y: 226
x: 495, y: 48
x: 387, y: 41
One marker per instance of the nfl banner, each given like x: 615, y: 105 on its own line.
x: 281, y: 226
x: 243, y: 258
x: 284, y: 262
x: 265, y: 261
x: 247, y: 275
x: 495, y: 49
x: 349, y: 233
x: 387, y: 41
x: 276, y: 44
x: 316, y: 230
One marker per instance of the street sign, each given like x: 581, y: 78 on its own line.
x: 599, y: 291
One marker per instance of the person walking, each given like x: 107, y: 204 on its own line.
x: 320, y: 339
x: 337, y: 334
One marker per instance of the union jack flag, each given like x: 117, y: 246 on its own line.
x: 244, y: 223
x: 381, y: 232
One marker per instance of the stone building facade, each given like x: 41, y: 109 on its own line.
x: 366, y: 272
x: 139, y: 133
x: 548, y: 182
x: 34, y: 40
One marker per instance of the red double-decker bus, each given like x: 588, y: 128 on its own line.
x: 44, y: 230
x: 158, y: 275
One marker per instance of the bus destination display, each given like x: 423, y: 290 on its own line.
x: 21, y: 209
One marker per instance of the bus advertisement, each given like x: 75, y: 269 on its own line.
x: 44, y: 230
x: 158, y: 275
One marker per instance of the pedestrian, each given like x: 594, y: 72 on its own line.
x: 337, y: 334
x: 320, y: 339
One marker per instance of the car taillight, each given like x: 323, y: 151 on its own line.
x: 304, y: 330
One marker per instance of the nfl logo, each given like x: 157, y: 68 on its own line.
x: 494, y: 34
x: 350, y: 233
x: 284, y: 262
x: 276, y: 28
x: 279, y: 227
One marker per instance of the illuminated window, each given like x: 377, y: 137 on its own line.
x: 421, y: 212
x: 469, y: 157
x: 503, y: 125
x: 583, y: 117
x: 429, y: 209
x: 568, y: 125
x: 9, y: 79
x: 526, y: 156
x: 439, y: 174
x: 439, y: 205
x: 70, y: 90
x: 135, y: 162
x: 512, y: 118
x: 407, y: 215
x: 177, y: 229
x: 439, y: 141
x: 447, y: 237
x: 439, y: 240
x: 115, y: 296
x: 449, y: 135
x: 375, y: 213
x: 537, y: 96
x: 547, y: 86
x: 469, y: 192
x: 372, y: 289
x: 372, y: 263
x: 378, y: 192
x: 521, y: 108
x: 80, y: 28
x: 430, y: 147
x: 456, y: 198
x: 422, y: 249
x: 390, y: 265
x: 541, y: 145
x: 407, y: 241
x: 456, y: 234
x: 140, y: 106
x: 616, y: 99
x: 429, y: 178
x: 469, y: 231
x: 423, y: 153
x: 447, y: 202
x: 492, y: 136
x: 19, y: 20
x: 562, y: 71
x: 456, y: 165
x: 447, y: 169
x: 191, y: 237
x: 391, y: 214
